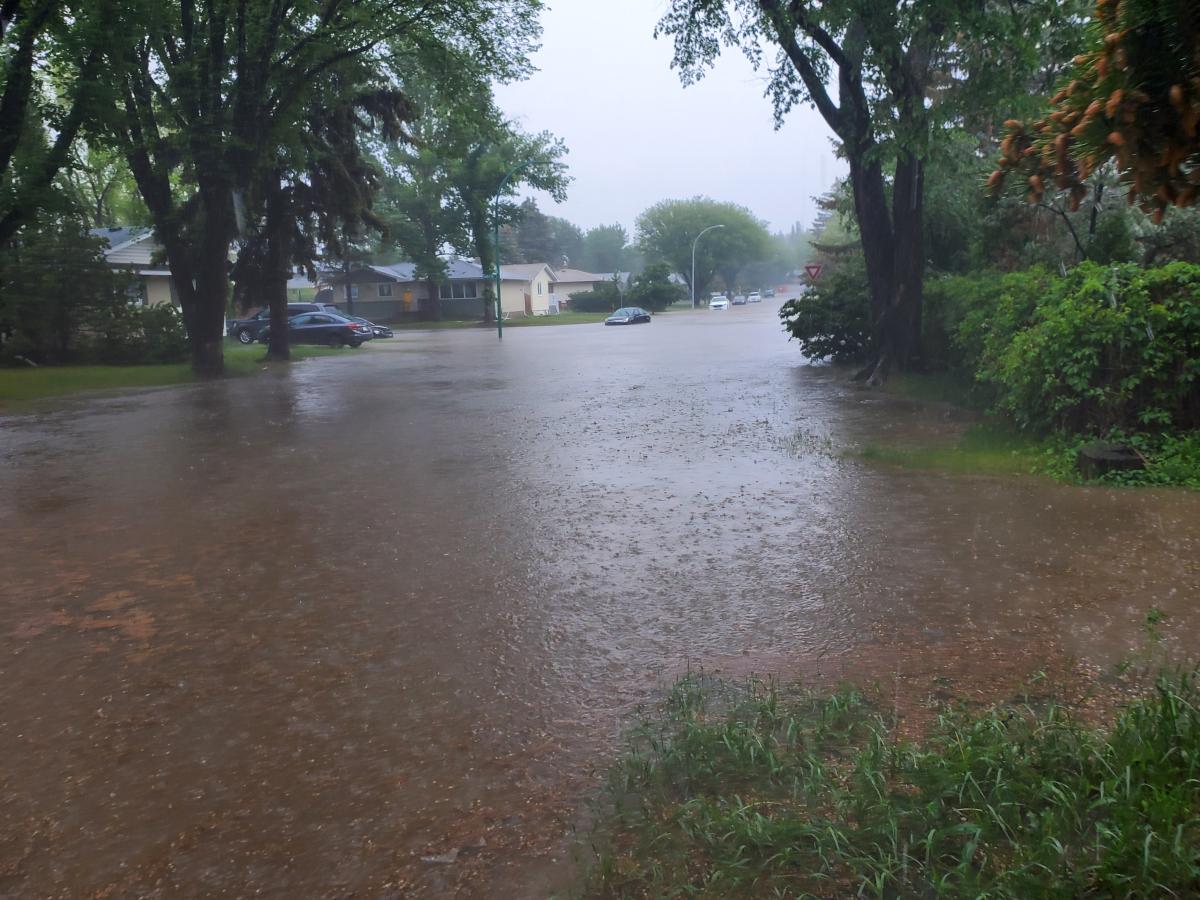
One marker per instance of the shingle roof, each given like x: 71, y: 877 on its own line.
x: 524, y: 271
x: 456, y: 270
x: 577, y: 275
x: 132, y: 247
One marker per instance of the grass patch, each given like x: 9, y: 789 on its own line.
x: 940, y: 387
x: 19, y: 388
x: 762, y: 791
x: 983, y: 449
x: 994, y: 447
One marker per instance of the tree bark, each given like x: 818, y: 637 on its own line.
x: 278, y: 265
x: 212, y: 278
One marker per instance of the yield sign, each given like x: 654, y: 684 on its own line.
x: 813, y: 271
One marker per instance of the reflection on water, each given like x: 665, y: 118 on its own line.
x: 368, y: 625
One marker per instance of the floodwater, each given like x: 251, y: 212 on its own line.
x: 372, y: 626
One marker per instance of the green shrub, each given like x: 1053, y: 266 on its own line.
x: 970, y: 318
x: 603, y: 298
x: 53, y: 281
x: 654, y: 290
x: 124, y: 333
x: 833, y: 320
x: 1105, y: 348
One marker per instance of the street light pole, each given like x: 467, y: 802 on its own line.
x: 496, y: 244
x: 700, y: 235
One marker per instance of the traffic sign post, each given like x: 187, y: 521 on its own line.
x: 813, y: 271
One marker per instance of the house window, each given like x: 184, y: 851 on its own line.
x: 354, y: 292
x: 385, y: 290
x: 539, y: 287
x: 458, y: 290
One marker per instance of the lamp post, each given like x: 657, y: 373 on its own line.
x: 700, y: 235
x: 496, y: 244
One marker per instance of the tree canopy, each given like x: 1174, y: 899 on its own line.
x: 887, y: 78
x: 605, y: 249
x: 666, y: 231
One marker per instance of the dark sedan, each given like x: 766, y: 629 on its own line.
x: 376, y: 330
x: 628, y: 315
x: 323, y: 328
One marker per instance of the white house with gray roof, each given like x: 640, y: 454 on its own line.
x: 390, y: 292
x: 135, y: 250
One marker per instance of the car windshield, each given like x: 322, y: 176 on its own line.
x: 623, y: 312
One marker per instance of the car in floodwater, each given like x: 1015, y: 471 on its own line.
x: 739, y: 299
x: 754, y: 297
x: 330, y: 329
x: 628, y: 315
x: 379, y: 331
x: 718, y: 301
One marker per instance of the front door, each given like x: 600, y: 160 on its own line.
x: 528, y: 305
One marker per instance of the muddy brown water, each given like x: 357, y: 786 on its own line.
x: 373, y: 626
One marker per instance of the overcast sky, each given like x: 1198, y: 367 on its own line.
x: 637, y: 136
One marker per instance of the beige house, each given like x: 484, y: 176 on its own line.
x: 574, y: 281
x: 526, y: 289
x: 136, y: 251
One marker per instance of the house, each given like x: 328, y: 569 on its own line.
x: 381, y: 293
x: 389, y: 292
x: 526, y: 289
x: 577, y: 281
x: 136, y: 251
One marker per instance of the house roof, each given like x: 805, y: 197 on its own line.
x: 525, y: 272
x: 578, y: 275
x: 119, y: 235
x: 456, y: 270
x: 131, y: 247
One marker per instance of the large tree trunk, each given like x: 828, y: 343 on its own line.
x: 278, y: 267
x: 893, y: 243
x: 878, y: 243
x: 212, y: 282
x: 903, y: 337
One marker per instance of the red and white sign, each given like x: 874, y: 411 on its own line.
x: 813, y: 271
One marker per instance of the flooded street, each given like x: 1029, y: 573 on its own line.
x: 372, y: 626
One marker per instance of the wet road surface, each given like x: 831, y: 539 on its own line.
x: 372, y: 626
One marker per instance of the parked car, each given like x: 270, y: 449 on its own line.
x: 754, y: 297
x: 769, y: 292
x: 739, y: 299
x: 323, y: 328
x: 378, y: 331
x: 247, y: 331
x: 628, y: 315
x: 718, y: 301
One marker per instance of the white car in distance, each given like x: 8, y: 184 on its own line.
x: 754, y: 297
x: 718, y: 301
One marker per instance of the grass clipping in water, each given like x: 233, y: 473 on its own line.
x: 756, y: 791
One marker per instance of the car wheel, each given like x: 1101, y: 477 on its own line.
x: 245, y: 337
x: 354, y: 345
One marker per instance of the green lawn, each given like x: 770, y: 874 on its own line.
x: 21, y: 387
x: 983, y: 449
